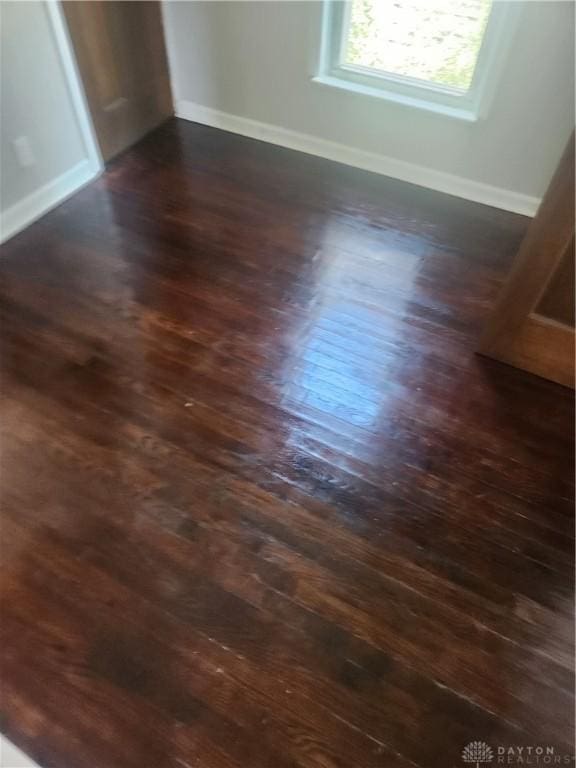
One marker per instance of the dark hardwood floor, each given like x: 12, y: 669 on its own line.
x: 263, y: 506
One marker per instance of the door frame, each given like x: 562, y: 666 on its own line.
x: 517, y: 333
x: 74, y: 83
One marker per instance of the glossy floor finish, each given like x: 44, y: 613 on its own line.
x: 262, y: 504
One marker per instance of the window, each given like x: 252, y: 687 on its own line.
x: 437, y: 54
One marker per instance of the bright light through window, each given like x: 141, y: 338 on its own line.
x: 435, y: 41
x: 443, y: 56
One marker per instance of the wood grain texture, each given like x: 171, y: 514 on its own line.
x: 557, y: 302
x: 263, y: 507
x: 532, y: 326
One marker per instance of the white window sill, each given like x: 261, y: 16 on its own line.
x: 466, y: 114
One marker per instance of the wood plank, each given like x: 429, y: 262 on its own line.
x: 263, y: 507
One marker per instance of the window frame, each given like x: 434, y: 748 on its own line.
x: 470, y: 105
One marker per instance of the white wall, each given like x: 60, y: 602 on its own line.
x: 38, y: 101
x: 255, y: 60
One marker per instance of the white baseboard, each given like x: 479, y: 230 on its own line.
x: 369, y: 161
x: 23, y: 213
x: 11, y: 757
